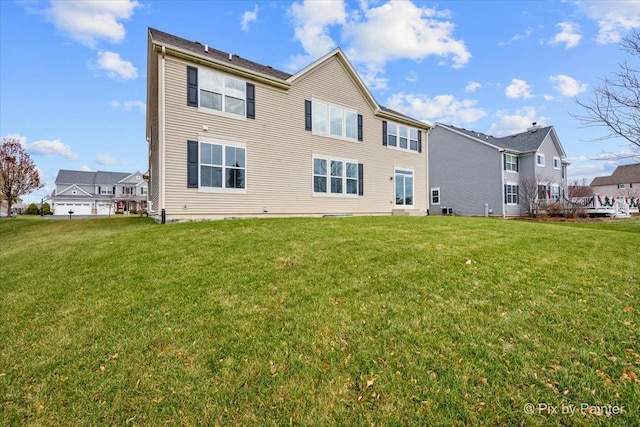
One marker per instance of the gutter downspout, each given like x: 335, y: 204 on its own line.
x: 504, y: 213
x: 161, y: 137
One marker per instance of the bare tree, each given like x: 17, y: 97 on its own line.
x: 580, y: 189
x: 616, y: 104
x: 18, y: 174
x: 529, y: 193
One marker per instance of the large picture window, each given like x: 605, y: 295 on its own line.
x: 404, y: 187
x: 334, y: 120
x: 336, y: 176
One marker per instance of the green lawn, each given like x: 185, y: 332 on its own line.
x: 341, y: 321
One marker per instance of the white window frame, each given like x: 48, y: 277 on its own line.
x: 398, y: 170
x: 224, y: 144
x: 103, y: 191
x: 398, y: 131
x: 625, y: 186
x: 511, y: 166
x: 323, y: 127
x: 556, y: 163
x: 224, y: 93
x: 554, y: 189
x: 345, y: 179
x: 512, y: 192
x: 439, y: 195
x: 540, y: 161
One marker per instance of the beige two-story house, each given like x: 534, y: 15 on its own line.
x: 232, y: 138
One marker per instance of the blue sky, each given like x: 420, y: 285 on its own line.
x: 73, y: 73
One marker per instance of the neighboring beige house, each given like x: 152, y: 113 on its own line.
x: 232, y: 138
x: 623, y: 182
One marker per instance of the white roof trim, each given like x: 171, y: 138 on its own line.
x: 70, y: 187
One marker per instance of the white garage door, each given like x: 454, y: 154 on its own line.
x: 103, y: 209
x: 77, y: 208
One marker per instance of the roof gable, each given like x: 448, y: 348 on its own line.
x: 69, y: 191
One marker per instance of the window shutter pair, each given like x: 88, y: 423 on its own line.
x: 308, y: 119
x: 192, y: 92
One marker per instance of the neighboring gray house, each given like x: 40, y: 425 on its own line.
x: 471, y: 173
x: 98, y: 193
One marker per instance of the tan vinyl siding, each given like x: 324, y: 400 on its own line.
x: 279, y: 151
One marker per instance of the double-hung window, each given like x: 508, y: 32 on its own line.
x: 510, y: 162
x: 335, y: 121
x: 435, y: 195
x: 540, y: 159
x: 556, y: 163
x: 401, y: 137
x: 511, y: 194
x: 337, y: 177
x: 555, y: 192
x: 404, y: 187
x: 222, y: 93
x: 212, y: 91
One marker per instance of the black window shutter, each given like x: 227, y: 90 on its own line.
x: 307, y: 114
x: 359, y: 127
x: 251, y: 101
x: 192, y: 164
x: 360, y: 179
x: 505, y: 193
x: 98, y: 189
x: 384, y: 132
x: 517, y: 194
x: 504, y: 161
x: 192, y: 86
x: 517, y: 163
x: 419, y: 141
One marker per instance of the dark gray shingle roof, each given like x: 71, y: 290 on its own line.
x: 521, y: 142
x: 163, y: 38
x: 89, y: 178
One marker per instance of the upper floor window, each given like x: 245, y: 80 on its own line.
x: 333, y: 120
x: 556, y: 163
x: 143, y: 191
x: 540, y: 159
x: 510, y: 162
x: 625, y: 186
x: 106, y: 191
x: 401, y: 137
x: 212, y: 91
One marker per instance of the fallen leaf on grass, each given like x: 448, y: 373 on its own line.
x: 603, y: 375
x: 382, y: 362
x: 371, y: 382
x: 272, y: 367
x: 628, y: 309
x: 628, y: 375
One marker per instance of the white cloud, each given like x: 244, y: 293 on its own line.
x: 472, y: 87
x: 441, y: 108
x: 105, y: 160
x: 90, y: 21
x: 518, y: 89
x: 567, y: 86
x: 129, y: 105
x: 548, y: 97
x: 374, y: 36
x: 411, y: 76
x: 569, y: 35
x: 311, y: 21
x: 400, y: 29
x: 249, y: 17
x: 510, y: 123
x: 115, y: 66
x: 46, y: 148
x: 84, y: 168
x: 613, y: 18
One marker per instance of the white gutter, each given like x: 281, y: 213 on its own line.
x: 504, y: 213
x: 161, y: 133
